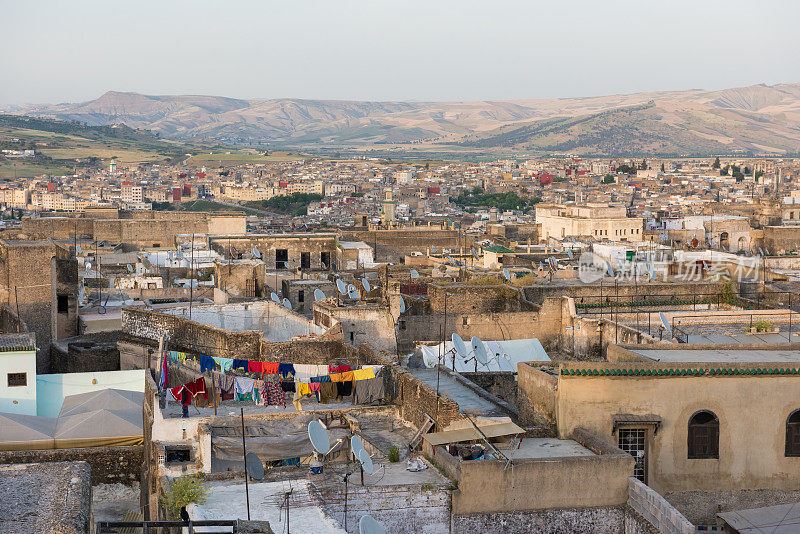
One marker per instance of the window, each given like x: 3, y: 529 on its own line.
x: 634, y: 442
x: 401, y: 324
x: 305, y: 260
x: 62, y: 302
x: 17, y: 379
x: 703, y: 437
x: 301, y: 296
x: 281, y: 258
x: 325, y: 259
x: 177, y: 455
x: 793, y: 434
x: 465, y: 321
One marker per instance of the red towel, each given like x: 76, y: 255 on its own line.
x: 176, y: 392
x: 255, y: 367
x: 333, y: 369
x: 197, y: 387
x: 270, y: 368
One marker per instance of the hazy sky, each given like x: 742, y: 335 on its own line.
x: 60, y: 51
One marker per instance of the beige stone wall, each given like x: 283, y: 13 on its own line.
x: 752, y: 410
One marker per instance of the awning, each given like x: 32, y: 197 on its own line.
x: 625, y: 419
x: 470, y: 434
x: 780, y: 519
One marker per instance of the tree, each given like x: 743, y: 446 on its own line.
x: 716, y: 164
x: 758, y: 174
x: 608, y: 179
x: 724, y: 170
x: 643, y: 165
x: 662, y: 168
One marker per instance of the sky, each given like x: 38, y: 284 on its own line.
x: 434, y: 50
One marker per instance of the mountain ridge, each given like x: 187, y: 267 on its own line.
x: 753, y: 119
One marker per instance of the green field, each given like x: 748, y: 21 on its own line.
x: 22, y: 169
x: 194, y: 205
x: 236, y: 158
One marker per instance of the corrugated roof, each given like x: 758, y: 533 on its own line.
x: 470, y: 434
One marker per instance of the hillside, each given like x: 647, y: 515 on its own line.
x: 753, y: 119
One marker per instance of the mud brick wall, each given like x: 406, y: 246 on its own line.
x: 109, y: 464
x: 476, y: 299
x: 502, y: 384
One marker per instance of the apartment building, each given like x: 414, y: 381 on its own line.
x: 598, y: 221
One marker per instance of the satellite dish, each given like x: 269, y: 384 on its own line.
x: 287, y: 303
x: 350, y: 288
x: 371, y: 275
x: 356, y: 445
x: 275, y: 298
x: 341, y: 287
x: 664, y: 321
x: 458, y: 343
x: 256, y: 253
x: 130, y: 268
x: 479, y: 350
x: 318, y: 435
x: 402, y: 305
x: 319, y: 294
x: 414, y: 274
x: 506, y: 274
x: 433, y: 249
x: 254, y: 466
x: 368, y: 525
x: 569, y: 254
x: 366, y: 461
x: 78, y: 249
x: 760, y: 251
x: 353, y: 294
x: 88, y: 267
x: 365, y: 284
x: 609, y: 269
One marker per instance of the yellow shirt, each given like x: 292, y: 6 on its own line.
x: 364, y: 374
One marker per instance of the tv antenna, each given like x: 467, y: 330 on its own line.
x: 256, y: 253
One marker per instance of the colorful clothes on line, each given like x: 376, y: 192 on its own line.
x: 240, y: 364
x: 244, y: 386
x: 286, y: 369
x: 288, y: 386
x: 254, y: 366
x: 197, y: 387
x: 327, y: 391
x: 363, y: 374
x: 314, y: 386
x: 368, y: 391
x: 207, y: 363
x: 346, y: 376
x: 225, y: 364
x: 338, y: 369
x: 344, y: 389
x: 321, y: 379
x: 303, y: 389
x: 270, y: 368
x: 274, y: 393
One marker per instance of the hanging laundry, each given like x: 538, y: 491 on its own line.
x: 303, y: 389
x: 338, y: 369
x: 164, y: 382
x: 286, y: 369
x: 327, y: 391
x: 240, y: 364
x: 258, y: 391
x: 275, y: 396
x: 368, y: 390
x: 287, y: 386
x: 197, y: 387
x: 321, y: 379
x: 314, y: 386
x: 207, y: 363
x: 344, y: 389
x: 303, y: 372
x: 363, y: 374
x: 244, y: 388
x: 270, y: 368
x: 346, y: 376
x: 225, y: 364
x: 254, y: 366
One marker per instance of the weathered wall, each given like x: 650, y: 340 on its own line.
x: 752, y: 424
x: 393, y: 245
x: 417, y: 398
x: 458, y: 299
x: 656, y: 510
x: 109, y: 464
x: 600, y: 520
x: 701, y: 507
x: 267, y: 245
x: 590, y: 293
x: 536, y: 393
x: 85, y: 356
x: 502, y: 384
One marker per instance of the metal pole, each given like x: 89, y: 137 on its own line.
x: 345, y: 502
x: 246, y: 486
x: 191, y: 283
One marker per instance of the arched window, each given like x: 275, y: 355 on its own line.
x: 793, y: 434
x: 703, y: 439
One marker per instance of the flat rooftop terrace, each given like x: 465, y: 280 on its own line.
x: 467, y: 399
x: 537, y: 448
x: 719, y: 355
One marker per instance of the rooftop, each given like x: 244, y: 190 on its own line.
x: 720, y: 355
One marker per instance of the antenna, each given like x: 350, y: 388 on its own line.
x: 340, y: 286
x: 356, y: 445
x: 506, y: 274
x: 353, y: 294
x: 256, y: 253
x: 479, y: 350
x: 609, y: 269
x: 78, y: 249
x: 254, y: 466
x: 402, y: 305
x: 287, y: 303
x: 569, y: 254
x: 368, y: 525
x: 319, y: 294
x: 275, y: 298
x: 130, y: 267
x: 366, y: 461
x: 318, y: 435
x: 414, y: 274
x: 365, y: 285
x: 664, y: 321
x: 458, y: 343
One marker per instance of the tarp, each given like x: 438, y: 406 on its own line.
x: 502, y: 355
x: 273, y: 440
x: 107, y: 399
x: 470, y: 434
x: 26, y: 432
x: 99, y: 428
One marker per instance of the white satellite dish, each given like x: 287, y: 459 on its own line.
x: 275, y: 298
x: 458, y: 343
x: 356, y: 445
x: 429, y: 359
x: 569, y: 253
x: 256, y: 253
x: 350, y: 288
x: 365, y: 284
x: 507, y: 274
x: 402, y: 305
x: 414, y: 274
x: 760, y: 251
x: 353, y: 294
x: 78, y: 249
x: 319, y: 294
x: 609, y: 269
x: 341, y: 287
x: 130, y: 268
x: 368, y: 525
x: 664, y: 321
x: 479, y: 350
x: 88, y: 267
x: 366, y: 461
x: 287, y: 303
x: 318, y: 435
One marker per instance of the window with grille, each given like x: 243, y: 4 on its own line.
x: 793, y: 434
x: 633, y: 441
x: 17, y: 379
x: 703, y: 436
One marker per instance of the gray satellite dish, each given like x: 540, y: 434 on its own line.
x: 341, y: 287
x: 88, y: 267
x: 553, y: 262
x: 458, y: 343
x: 664, y: 321
x: 356, y: 445
x: 353, y: 294
x: 609, y: 270
x: 78, y: 249
x: 414, y: 274
x: 287, y: 303
x: 256, y: 253
x: 319, y: 294
x: 479, y: 350
x: 350, y: 287
x: 402, y: 305
x: 506, y: 274
x: 318, y: 435
x: 254, y: 466
x: 130, y: 268
x: 760, y: 251
x: 433, y: 249
x: 371, y: 276
x: 365, y: 284
x: 368, y: 525
x: 275, y: 298
x: 366, y: 461
x: 569, y: 254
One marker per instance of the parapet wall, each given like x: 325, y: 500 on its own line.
x: 110, y: 465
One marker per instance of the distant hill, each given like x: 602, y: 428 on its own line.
x: 755, y: 119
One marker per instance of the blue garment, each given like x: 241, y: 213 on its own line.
x: 240, y: 364
x: 225, y: 364
x: 173, y: 356
x: 321, y: 379
x: 286, y: 369
x: 207, y: 363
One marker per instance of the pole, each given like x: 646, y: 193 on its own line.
x: 246, y: 487
x: 214, y: 393
x: 191, y: 283
x: 345, y: 501
x: 99, y: 274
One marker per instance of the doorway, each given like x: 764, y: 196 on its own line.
x: 634, y: 442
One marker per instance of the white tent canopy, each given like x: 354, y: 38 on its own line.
x: 23, y: 432
x: 108, y: 399
x: 502, y: 355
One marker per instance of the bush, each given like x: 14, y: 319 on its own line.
x: 184, y: 490
x: 394, y: 454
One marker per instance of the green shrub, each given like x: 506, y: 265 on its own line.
x: 394, y: 454
x: 184, y: 490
